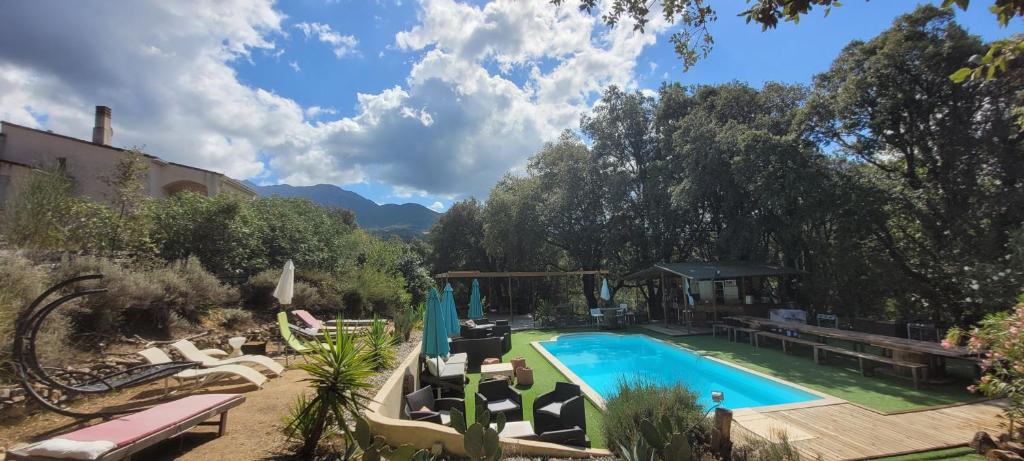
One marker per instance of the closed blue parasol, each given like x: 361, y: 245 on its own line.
x: 605, y: 293
x: 451, y: 315
x: 476, y: 308
x: 435, y: 328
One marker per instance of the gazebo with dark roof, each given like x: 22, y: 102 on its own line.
x: 733, y: 286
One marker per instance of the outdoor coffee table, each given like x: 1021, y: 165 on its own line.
x: 497, y: 369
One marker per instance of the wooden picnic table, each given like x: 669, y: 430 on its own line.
x: 903, y: 349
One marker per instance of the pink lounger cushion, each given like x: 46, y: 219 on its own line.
x: 131, y: 428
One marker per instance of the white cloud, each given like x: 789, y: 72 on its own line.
x: 295, y: 66
x: 437, y: 206
x: 450, y: 129
x: 343, y: 45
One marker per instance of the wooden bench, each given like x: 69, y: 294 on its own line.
x: 784, y: 340
x: 864, y: 360
x: 724, y: 327
x: 751, y: 334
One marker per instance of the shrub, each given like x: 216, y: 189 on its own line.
x: 234, y: 319
x: 380, y: 344
x: 758, y: 449
x: 405, y: 321
x: 641, y: 400
x: 258, y: 293
x: 998, y: 337
x: 373, y: 291
x: 162, y: 300
x: 20, y: 283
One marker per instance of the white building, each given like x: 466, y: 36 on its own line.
x: 23, y: 148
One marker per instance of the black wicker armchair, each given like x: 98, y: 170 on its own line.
x: 422, y: 406
x: 477, y: 350
x: 562, y: 408
x: 497, y: 396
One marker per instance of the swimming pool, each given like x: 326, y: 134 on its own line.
x: 603, y: 359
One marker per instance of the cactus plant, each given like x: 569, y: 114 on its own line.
x: 479, y: 439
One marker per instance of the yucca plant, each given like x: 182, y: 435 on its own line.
x: 380, y: 344
x: 339, y: 371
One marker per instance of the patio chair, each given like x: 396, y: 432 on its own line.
x: 311, y: 321
x: 122, y: 437
x: 203, y: 376
x: 596, y: 316
x: 422, y: 406
x: 290, y: 334
x: 191, y: 352
x: 477, y: 349
x: 575, y: 436
x: 562, y: 408
x: 476, y: 330
x: 449, y: 377
x: 497, y: 396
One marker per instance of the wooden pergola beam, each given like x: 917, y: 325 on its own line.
x: 479, y: 274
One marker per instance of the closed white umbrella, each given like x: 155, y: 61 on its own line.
x: 286, y: 284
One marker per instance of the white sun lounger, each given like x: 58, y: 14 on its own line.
x: 191, y: 352
x: 203, y: 376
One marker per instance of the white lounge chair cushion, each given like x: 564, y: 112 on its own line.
x: 515, y: 429
x: 432, y: 367
x: 70, y: 449
x: 461, y: 357
x: 502, y: 405
x: 191, y: 352
x: 553, y: 408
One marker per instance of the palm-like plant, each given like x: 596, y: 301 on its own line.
x: 380, y: 344
x: 339, y: 372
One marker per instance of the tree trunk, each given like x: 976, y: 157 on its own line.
x: 311, y: 443
x: 588, y: 291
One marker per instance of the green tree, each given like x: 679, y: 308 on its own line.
x: 572, y: 209
x: 457, y: 239
x: 129, y: 226
x: 694, y: 41
x: 512, y: 237
x: 946, y: 156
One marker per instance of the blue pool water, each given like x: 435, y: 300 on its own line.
x: 603, y: 360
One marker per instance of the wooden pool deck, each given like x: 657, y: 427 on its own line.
x: 845, y: 431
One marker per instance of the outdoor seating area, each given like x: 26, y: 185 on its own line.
x: 917, y: 360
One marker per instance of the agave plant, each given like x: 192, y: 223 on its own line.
x: 380, y: 344
x: 339, y: 372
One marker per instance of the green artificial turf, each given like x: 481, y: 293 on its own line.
x: 544, y: 378
x: 949, y: 454
x: 840, y: 379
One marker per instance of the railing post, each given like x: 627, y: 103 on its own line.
x: 721, y: 435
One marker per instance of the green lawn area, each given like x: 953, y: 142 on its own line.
x: 839, y: 379
x: 950, y: 454
x: 544, y: 378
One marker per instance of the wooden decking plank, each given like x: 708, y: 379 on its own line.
x: 847, y: 431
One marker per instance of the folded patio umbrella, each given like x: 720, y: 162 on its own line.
x: 448, y: 305
x: 476, y: 308
x: 286, y: 284
x: 686, y: 289
x: 605, y: 293
x: 435, y: 330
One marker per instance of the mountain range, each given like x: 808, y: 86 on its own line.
x: 406, y: 220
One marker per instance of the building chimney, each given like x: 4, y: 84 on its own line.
x: 102, y: 132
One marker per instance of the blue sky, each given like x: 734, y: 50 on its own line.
x: 401, y: 101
